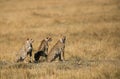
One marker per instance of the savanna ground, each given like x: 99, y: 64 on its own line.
x: 92, y: 28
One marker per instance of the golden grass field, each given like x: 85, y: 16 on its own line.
x: 92, y: 28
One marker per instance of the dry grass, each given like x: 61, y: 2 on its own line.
x: 93, y: 37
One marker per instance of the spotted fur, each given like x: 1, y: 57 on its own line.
x: 43, y: 49
x: 25, y: 51
x: 57, y: 50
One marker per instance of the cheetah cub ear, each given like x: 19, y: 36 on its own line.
x: 27, y: 38
x: 31, y: 40
x: 48, y: 39
x: 62, y: 39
